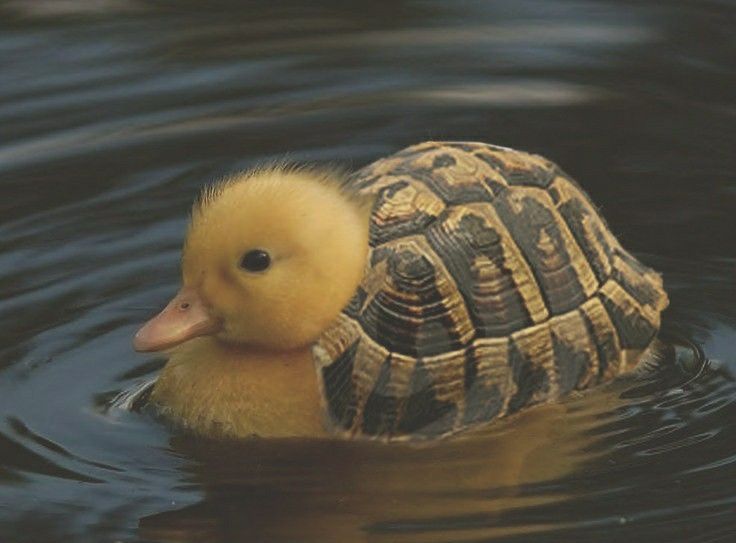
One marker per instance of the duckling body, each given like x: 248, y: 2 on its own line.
x: 430, y: 292
x: 241, y: 392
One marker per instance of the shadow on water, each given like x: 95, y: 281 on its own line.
x: 115, y: 112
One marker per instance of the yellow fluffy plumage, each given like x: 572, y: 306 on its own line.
x: 251, y: 371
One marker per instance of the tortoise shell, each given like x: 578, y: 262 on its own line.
x: 492, y: 284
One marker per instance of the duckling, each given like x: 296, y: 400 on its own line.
x: 271, y: 257
x: 431, y: 292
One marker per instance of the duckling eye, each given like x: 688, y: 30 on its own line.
x: 256, y: 260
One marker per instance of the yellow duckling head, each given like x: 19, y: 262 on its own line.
x: 270, y: 259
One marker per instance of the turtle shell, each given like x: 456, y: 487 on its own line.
x: 492, y: 284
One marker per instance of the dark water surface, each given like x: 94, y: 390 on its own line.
x: 113, y: 113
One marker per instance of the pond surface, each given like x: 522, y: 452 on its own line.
x: 113, y: 113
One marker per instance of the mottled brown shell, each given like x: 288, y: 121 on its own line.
x: 492, y: 284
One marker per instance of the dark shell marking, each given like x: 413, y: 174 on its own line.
x: 493, y: 284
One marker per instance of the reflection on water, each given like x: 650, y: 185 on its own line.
x: 114, y: 112
x: 508, y: 480
x: 313, y: 491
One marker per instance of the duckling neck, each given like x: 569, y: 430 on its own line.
x: 219, y: 390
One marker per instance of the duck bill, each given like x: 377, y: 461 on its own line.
x: 185, y: 317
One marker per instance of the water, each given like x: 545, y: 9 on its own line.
x: 114, y: 112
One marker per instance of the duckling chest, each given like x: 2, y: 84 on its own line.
x: 223, y: 396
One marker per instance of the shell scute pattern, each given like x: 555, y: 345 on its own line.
x: 338, y: 387
x: 477, y: 258
x: 520, y: 168
x: 601, y: 330
x: 483, y: 405
x: 561, y: 271
x: 413, y: 307
x: 451, y: 176
x: 492, y: 284
x: 575, y: 354
x: 405, y: 206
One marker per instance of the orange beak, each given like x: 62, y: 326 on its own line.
x: 185, y: 317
